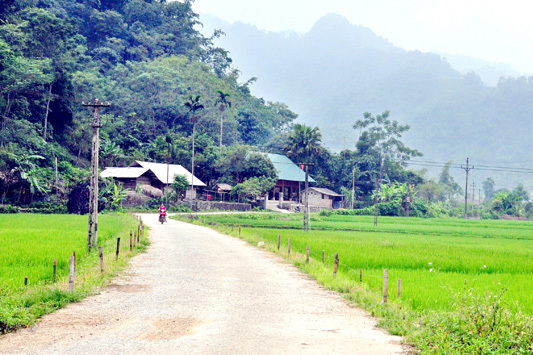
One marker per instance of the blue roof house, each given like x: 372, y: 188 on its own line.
x: 291, y: 179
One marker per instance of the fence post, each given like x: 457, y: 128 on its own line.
x: 101, y: 259
x: 307, y: 255
x: 71, y: 275
x: 139, y: 237
x: 289, y: 247
x: 361, y: 275
x: 118, y: 247
x: 55, y: 269
x: 399, y: 288
x: 25, y: 280
x: 239, y: 229
x: 279, y: 240
x: 336, y: 266
x: 131, y: 242
x: 323, y: 257
x: 74, y: 255
x: 385, y: 285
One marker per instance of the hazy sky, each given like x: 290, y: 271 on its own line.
x: 497, y: 31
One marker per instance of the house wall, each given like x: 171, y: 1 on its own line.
x: 318, y: 199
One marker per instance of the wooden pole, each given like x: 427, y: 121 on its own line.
x: 55, y: 269
x: 385, y: 285
x: 360, y: 275
x: 279, y: 241
x: 399, y: 288
x: 323, y: 257
x: 289, y: 247
x: 336, y: 266
x: 74, y: 255
x: 101, y: 259
x: 131, y: 242
x: 240, y: 230
x: 25, y: 280
x: 307, y: 255
x: 71, y: 275
x: 118, y: 247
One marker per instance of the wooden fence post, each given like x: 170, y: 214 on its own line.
x: 131, y: 242
x: 118, y: 247
x: 74, y: 255
x: 139, y: 237
x: 239, y: 229
x: 279, y: 240
x: 25, y: 280
x: 71, y: 275
x: 399, y: 288
x: 289, y: 247
x: 101, y: 259
x: 143, y: 231
x: 361, y: 275
x: 55, y: 269
x: 307, y: 255
x: 385, y: 285
x: 323, y: 257
x: 336, y: 266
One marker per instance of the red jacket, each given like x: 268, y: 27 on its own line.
x: 163, y: 210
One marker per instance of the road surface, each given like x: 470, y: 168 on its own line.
x: 196, y: 291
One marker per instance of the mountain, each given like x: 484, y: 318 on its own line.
x: 489, y: 72
x: 335, y: 72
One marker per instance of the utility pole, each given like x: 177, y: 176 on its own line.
x: 306, y: 207
x: 466, y: 169
x: 353, y: 185
x: 92, y: 237
x: 473, y: 193
x: 194, y: 120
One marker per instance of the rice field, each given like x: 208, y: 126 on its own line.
x: 437, y: 260
x: 29, y: 244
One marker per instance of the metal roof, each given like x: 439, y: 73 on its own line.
x: 325, y: 191
x: 128, y: 172
x: 160, y: 171
x: 287, y: 170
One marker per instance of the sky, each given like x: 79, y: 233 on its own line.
x: 496, y: 31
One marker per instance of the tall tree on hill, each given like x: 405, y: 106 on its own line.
x: 379, y: 144
x: 223, y: 103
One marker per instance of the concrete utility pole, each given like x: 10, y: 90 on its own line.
x: 92, y: 237
x: 306, y: 207
x: 466, y: 169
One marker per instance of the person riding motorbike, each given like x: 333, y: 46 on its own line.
x: 162, y: 213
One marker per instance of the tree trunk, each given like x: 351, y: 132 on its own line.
x: 45, y: 128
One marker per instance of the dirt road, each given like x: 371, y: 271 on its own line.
x: 200, y: 292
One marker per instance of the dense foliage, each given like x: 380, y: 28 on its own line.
x: 165, y: 80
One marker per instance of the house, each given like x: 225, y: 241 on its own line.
x: 323, y: 197
x: 152, y: 177
x: 291, y: 179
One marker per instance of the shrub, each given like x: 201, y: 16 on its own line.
x: 9, y: 209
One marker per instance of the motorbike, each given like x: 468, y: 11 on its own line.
x: 162, y: 218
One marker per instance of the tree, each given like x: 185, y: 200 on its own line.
x: 223, y: 103
x: 194, y: 106
x: 303, y: 143
x: 180, y: 185
x: 450, y: 188
x: 380, y: 144
x: 253, y: 188
x: 488, y: 188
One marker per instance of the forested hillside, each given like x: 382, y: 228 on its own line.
x: 336, y: 71
x: 147, y: 59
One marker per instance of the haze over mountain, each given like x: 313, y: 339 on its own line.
x: 336, y: 71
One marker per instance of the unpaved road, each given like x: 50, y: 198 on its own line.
x: 200, y: 292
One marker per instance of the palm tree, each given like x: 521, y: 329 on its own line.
x: 194, y: 106
x: 223, y: 103
x: 303, y: 143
